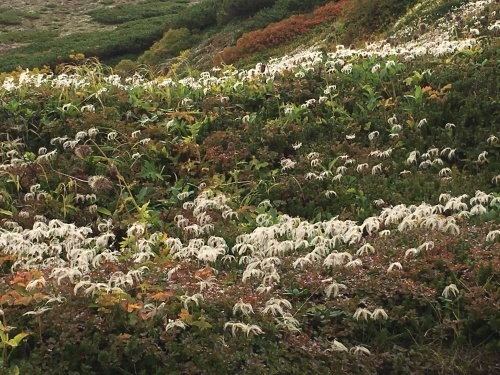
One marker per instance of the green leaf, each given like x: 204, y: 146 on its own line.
x: 5, y: 212
x: 150, y: 172
x: 104, y: 211
x: 201, y: 323
x: 332, y: 164
x: 336, y: 313
x: 142, y: 194
x: 30, y: 156
x: 17, y: 339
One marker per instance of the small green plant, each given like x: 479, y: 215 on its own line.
x: 8, y: 344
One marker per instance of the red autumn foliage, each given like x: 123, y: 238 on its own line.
x: 280, y: 32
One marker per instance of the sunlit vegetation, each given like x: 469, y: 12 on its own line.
x: 333, y: 209
x: 9, y: 16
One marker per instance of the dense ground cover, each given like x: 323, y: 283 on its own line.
x: 326, y: 211
x: 34, y: 34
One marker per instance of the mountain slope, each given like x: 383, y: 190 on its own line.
x: 332, y: 208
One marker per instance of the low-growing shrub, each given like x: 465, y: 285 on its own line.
x: 169, y: 46
x: 279, y: 33
x: 367, y: 17
x: 123, y: 13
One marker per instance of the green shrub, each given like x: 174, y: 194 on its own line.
x: 365, y: 17
x: 171, y: 45
x: 127, y: 38
x: 132, y: 12
x: 126, y: 67
x: 242, y: 8
x: 9, y: 17
x: 198, y: 16
x: 28, y: 36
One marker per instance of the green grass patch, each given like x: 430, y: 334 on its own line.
x: 132, y: 37
x: 28, y: 36
x: 132, y: 12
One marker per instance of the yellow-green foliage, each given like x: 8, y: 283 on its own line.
x: 126, y: 67
x: 173, y: 42
x: 371, y: 16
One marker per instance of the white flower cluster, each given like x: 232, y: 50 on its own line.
x: 71, y: 252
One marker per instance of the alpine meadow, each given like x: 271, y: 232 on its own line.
x: 250, y: 187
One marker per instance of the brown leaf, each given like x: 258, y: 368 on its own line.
x: 204, y: 273
x: 185, y: 316
x: 162, y: 296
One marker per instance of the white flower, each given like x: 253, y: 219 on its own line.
x: 365, y: 249
x: 276, y: 305
x: 338, y: 346
x: 196, y: 298
x: 335, y: 259
x: 329, y: 89
x: 358, y: 349
x: 310, y: 102
x: 373, y: 135
x: 287, y: 164
x: 362, y: 313
x: 411, y: 251
x: 421, y: 123
x: 361, y: 166
x: 354, y: 263
x: 245, y: 308
x: 450, y: 227
x: 333, y: 287
x: 88, y: 107
x: 482, y: 157
x: 136, y: 230
x: 330, y: 193
x: 385, y: 232
x: 394, y: 265
x: 297, y: 145
x: 379, y: 314
x: 450, y: 290
x: 175, y: 323
x: 112, y: 136
x: 246, y: 328
x: 375, y: 68
x: 38, y: 311
x: 377, y: 169
x: 445, y: 172
x: 289, y: 322
x: 346, y: 69
x: 35, y: 282
x: 392, y: 120
x: 92, y: 132
x: 492, y: 140
x: 493, y: 235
